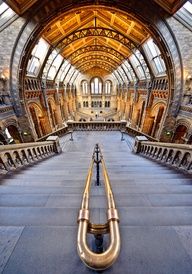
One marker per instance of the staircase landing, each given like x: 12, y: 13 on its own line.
x: 39, y: 208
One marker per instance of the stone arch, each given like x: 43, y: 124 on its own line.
x: 37, y: 119
x: 183, y: 122
x: 15, y: 133
x: 137, y: 113
x: 158, y: 111
x: 12, y: 127
x: 181, y: 130
x: 52, y: 111
x: 93, y: 85
x: 158, y: 28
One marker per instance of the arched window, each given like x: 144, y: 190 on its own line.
x: 108, y: 87
x: 154, y: 55
x: 96, y: 86
x: 84, y: 87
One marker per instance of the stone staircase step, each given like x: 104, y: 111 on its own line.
x: 39, y: 206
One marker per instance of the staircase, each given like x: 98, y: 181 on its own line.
x: 39, y: 208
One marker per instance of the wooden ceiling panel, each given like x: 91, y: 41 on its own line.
x: 21, y: 6
x: 116, y: 30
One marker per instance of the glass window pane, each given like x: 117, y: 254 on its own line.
x: 135, y: 63
x: 154, y: 55
x: 38, y: 56
x: 188, y: 6
x: 3, y: 7
x: 54, y: 67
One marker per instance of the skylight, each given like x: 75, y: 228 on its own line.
x: 188, y: 6
x: 3, y: 8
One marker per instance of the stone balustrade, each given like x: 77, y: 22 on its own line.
x: 16, y: 156
x: 178, y: 156
x: 94, y: 125
x: 59, y: 132
x: 134, y: 132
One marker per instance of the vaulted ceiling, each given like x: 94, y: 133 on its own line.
x: 21, y: 6
x: 96, y: 35
x: 93, y: 37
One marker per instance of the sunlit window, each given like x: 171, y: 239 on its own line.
x: 37, y: 57
x: 117, y: 76
x: 65, y: 70
x: 69, y: 74
x: 85, y: 87
x: 108, y: 86
x: 54, y: 67
x: 188, y: 6
x: 6, y: 14
x: 129, y: 70
x: 144, y: 66
x: 122, y: 73
x: 96, y: 86
x: 75, y: 76
x: 61, y: 70
x: 154, y: 55
x: 3, y: 8
x: 49, y: 62
x: 137, y: 66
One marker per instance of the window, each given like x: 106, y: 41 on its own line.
x: 6, y: 13
x: 85, y: 104
x: 130, y: 72
x: 66, y: 69
x: 117, y: 76
x: 96, y: 86
x: 107, y: 104
x: 37, y: 57
x: 49, y: 63
x: 122, y: 73
x: 75, y: 76
x: 96, y: 104
x: 84, y: 87
x: 54, y: 67
x: 108, y: 86
x: 61, y: 71
x: 69, y: 74
x: 137, y: 66
x: 155, y: 58
x: 143, y: 64
x: 3, y: 8
x: 188, y: 6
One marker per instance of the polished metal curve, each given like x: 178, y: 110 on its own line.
x: 107, y: 258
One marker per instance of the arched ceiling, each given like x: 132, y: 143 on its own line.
x: 21, y: 6
x: 100, y: 35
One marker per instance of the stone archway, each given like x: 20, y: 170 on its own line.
x: 180, y: 134
x: 142, y: 12
x: 39, y: 119
x: 157, y: 112
x: 15, y: 134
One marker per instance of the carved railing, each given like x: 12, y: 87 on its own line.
x: 178, y: 156
x: 134, y: 132
x: 94, y: 125
x: 59, y: 132
x: 16, y: 156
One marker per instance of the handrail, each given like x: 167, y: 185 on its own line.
x: 178, y: 156
x: 16, y: 156
x: 107, y: 258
